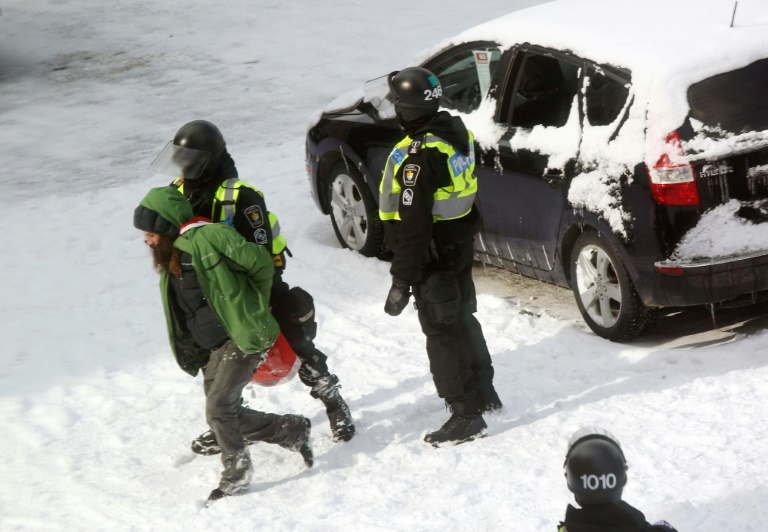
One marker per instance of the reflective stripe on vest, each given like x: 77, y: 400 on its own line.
x: 224, y: 208
x: 451, y: 202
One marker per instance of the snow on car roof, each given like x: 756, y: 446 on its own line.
x: 692, y: 35
x: 666, y: 44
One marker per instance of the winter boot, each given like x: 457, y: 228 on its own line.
x: 236, y: 477
x: 294, y: 434
x: 206, y: 444
x: 327, y: 390
x: 459, y: 428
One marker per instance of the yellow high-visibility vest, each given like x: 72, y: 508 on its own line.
x: 453, y: 201
x: 224, y: 208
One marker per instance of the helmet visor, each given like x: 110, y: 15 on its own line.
x: 178, y: 161
x: 380, y: 94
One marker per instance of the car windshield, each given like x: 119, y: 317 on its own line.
x: 734, y: 101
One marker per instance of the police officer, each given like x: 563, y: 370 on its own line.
x: 207, y: 176
x: 596, y: 472
x: 427, y: 205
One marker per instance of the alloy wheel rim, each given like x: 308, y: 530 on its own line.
x: 348, y: 211
x: 598, y: 286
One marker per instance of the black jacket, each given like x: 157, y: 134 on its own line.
x: 610, y: 517
x: 410, y: 237
x: 198, y: 317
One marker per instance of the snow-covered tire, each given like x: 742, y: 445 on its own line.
x: 354, y: 213
x: 604, y: 291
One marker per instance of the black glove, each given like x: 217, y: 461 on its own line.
x: 398, y: 296
x: 279, y: 262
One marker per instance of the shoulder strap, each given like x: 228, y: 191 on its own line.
x: 226, y: 196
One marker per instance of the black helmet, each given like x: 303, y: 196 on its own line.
x: 200, y: 135
x: 417, y: 93
x: 193, y: 153
x: 595, y: 467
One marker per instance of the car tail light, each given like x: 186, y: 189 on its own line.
x: 672, y: 179
x: 669, y: 270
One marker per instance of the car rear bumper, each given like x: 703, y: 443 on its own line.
x: 688, y: 284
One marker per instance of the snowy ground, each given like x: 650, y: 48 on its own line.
x: 97, y: 417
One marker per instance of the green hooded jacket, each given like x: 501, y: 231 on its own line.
x: 234, y: 274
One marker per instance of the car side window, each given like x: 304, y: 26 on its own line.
x: 544, y: 91
x: 465, y: 76
x: 604, y: 98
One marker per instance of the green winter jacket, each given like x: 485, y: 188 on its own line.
x: 234, y: 274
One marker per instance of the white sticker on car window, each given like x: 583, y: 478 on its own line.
x: 483, y: 65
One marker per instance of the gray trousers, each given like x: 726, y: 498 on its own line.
x: 227, y: 373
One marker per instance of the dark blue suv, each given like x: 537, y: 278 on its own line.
x: 556, y: 205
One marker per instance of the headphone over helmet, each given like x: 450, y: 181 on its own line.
x: 417, y: 93
x: 595, y: 467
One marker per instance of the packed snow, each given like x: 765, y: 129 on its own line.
x: 96, y: 416
x: 722, y: 233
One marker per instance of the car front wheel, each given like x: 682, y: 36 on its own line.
x: 354, y: 212
x: 604, y: 292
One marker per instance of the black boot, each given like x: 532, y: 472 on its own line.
x: 327, y: 390
x: 294, y: 434
x: 206, y: 444
x: 236, y: 477
x: 459, y: 428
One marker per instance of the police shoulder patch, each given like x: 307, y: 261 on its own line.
x: 255, y: 216
x: 260, y: 236
x: 410, y: 174
x: 407, y: 196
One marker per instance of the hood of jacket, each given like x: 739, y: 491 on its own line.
x: 448, y: 127
x: 168, y: 203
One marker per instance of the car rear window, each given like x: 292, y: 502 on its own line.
x: 735, y: 101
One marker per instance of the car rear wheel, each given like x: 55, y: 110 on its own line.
x: 354, y: 213
x: 604, y: 292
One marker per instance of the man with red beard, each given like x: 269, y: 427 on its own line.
x: 215, y: 288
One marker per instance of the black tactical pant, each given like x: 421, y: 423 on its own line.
x: 458, y: 356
